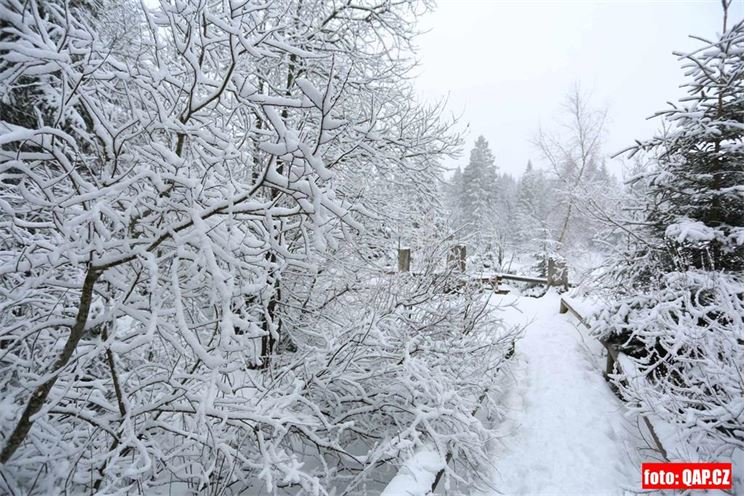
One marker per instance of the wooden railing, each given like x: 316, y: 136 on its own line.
x: 612, y: 351
x: 613, y: 366
x: 515, y: 277
x: 558, y: 274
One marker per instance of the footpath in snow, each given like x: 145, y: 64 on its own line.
x: 565, y: 433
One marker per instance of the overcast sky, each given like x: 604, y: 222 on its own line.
x: 506, y: 65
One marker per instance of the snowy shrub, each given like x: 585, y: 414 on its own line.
x: 413, y: 363
x: 685, y: 338
x: 174, y: 206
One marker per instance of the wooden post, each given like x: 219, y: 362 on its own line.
x: 551, y: 271
x: 556, y: 273
x: 609, y: 364
x: 563, y: 274
x: 404, y: 259
x: 457, y: 258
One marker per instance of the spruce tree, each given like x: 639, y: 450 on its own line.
x: 479, y: 193
x: 454, y: 198
x: 676, y: 300
x: 697, y: 190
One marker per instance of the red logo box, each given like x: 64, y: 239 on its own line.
x: 677, y: 475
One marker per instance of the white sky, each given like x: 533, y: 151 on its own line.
x: 507, y: 65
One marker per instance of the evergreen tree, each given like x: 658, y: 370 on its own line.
x: 532, y: 206
x: 504, y: 218
x: 697, y: 188
x: 677, y: 298
x: 533, y: 217
x: 479, y: 200
x: 454, y: 198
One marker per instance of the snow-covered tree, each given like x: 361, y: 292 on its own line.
x: 574, y: 155
x: 677, y: 292
x: 533, y: 216
x: 189, y: 290
x: 453, y: 193
x: 505, y: 216
x: 477, y: 205
x: 697, y: 187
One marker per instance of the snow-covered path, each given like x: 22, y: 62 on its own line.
x: 565, y: 433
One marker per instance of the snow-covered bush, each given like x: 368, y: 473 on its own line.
x: 404, y: 360
x: 685, y: 338
x: 179, y: 213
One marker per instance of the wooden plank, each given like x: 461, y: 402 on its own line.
x: 565, y: 306
x: 514, y: 277
x: 493, y: 281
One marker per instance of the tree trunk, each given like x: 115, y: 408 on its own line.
x: 42, y: 392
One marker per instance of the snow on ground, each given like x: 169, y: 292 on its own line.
x: 565, y: 431
x: 417, y: 475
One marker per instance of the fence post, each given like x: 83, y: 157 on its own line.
x: 557, y: 273
x: 404, y: 259
x: 610, y: 363
x: 457, y: 258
